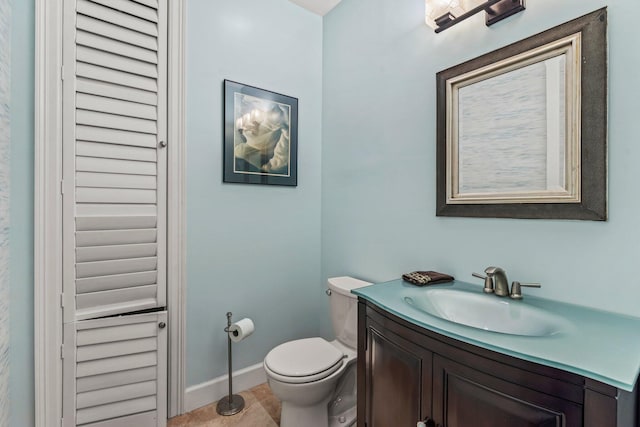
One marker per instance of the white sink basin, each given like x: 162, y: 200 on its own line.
x: 488, y: 312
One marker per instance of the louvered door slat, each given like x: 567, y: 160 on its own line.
x: 116, y: 281
x: 114, y: 195
x: 114, y: 106
x: 118, y: 331
x: 138, y: 420
x: 120, y: 266
x: 116, y: 62
x: 119, y: 409
x: 85, y: 7
x: 116, y: 394
x: 114, y: 379
x: 99, y: 42
x: 110, y: 302
x: 95, y: 87
x: 114, y: 121
x: 115, y: 237
x: 119, y: 348
x: 114, y: 136
x: 115, y: 151
x: 102, y: 366
x: 121, y: 78
x: 114, y: 222
x: 115, y: 32
x: 103, y: 253
x: 132, y: 8
x: 93, y: 164
x: 88, y: 210
x: 104, y: 180
x: 150, y: 3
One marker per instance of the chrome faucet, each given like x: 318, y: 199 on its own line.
x: 500, y: 281
x: 496, y: 282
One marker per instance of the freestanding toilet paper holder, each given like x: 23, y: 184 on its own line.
x: 233, y: 403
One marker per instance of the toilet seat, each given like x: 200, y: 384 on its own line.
x: 303, y: 361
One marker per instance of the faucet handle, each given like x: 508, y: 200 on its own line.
x: 493, y: 270
x: 516, y: 291
x: 488, y: 282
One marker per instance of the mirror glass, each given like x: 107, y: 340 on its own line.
x: 527, y: 149
x: 511, y: 133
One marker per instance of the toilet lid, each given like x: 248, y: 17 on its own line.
x: 303, y: 358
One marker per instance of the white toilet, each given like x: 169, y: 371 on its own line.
x: 316, y: 379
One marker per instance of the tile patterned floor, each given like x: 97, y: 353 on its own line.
x: 262, y: 409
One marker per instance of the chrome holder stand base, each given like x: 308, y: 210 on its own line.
x: 226, y: 407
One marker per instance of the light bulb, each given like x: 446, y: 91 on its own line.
x: 437, y: 8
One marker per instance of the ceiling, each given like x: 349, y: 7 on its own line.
x: 320, y: 7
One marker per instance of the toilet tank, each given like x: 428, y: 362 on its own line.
x: 344, y: 308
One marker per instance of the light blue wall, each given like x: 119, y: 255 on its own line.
x: 379, y: 109
x: 252, y: 250
x: 285, y: 238
x: 5, y: 182
x: 21, y: 236
x: 256, y: 250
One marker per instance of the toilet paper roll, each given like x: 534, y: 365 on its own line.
x: 241, y: 329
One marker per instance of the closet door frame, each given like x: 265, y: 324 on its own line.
x: 48, y: 324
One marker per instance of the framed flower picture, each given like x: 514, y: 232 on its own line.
x: 260, y: 136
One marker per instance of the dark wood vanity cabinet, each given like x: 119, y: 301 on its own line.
x: 464, y: 396
x: 408, y: 374
x: 398, y: 380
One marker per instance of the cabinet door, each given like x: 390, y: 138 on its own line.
x: 398, y: 381
x: 465, y: 397
x: 116, y: 372
x: 114, y: 167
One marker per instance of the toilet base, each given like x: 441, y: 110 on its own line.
x: 329, y: 402
x: 308, y: 416
x: 345, y: 419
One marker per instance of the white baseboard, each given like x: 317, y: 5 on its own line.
x: 211, y: 391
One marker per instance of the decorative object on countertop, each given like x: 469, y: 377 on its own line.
x: 422, y: 278
x: 522, y: 131
x: 260, y: 136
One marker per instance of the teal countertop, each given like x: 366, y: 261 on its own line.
x: 600, y: 345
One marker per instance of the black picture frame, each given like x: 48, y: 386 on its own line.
x: 593, y: 128
x: 260, y: 136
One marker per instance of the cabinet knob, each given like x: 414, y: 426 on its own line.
x: 162, y: 325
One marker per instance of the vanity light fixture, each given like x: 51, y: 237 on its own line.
x: 442, y: 14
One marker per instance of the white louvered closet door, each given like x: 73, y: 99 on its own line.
x: 114, y: 169
x: 114, y: 213
x: 120, y: 372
